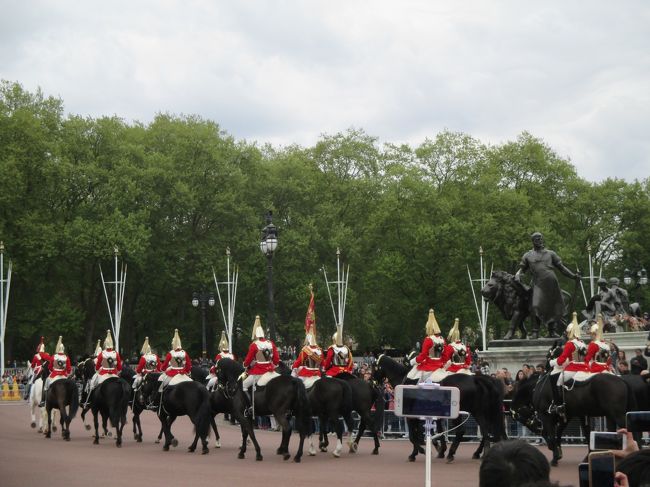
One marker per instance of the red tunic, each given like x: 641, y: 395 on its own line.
x: 590, y: 359
x: 455, y: 367
x: 142, y: 366
x: 219, y: 356
x: 304, y: 362
x: 567, y: 356
x: 430, y: 364
x: 104, y: 370
x: 261, y: 367
x: 171, y: 371
x: 56, y: 373
x: 38, y: 360
x: 331, y: 369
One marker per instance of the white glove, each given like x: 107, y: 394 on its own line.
x: 553, y: 363
x: 294, y: 372
x: 243, y: 376
x: 413, y: 361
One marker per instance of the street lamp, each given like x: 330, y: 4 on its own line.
x: 268, y: 244
x: 204, y: 299
x: 641, y: 277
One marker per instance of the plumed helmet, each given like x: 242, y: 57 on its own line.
x: 573, y: 330
x: 432, y: 327
x: 146, y: 348
x: 337, y: 338
x: 310, y: 336
x: 108, y: 341
x: 258, y: 331
x: 597, y: 328
x: 223, y: 343
x: 59, y: 346
x: 98, y: 349
x: 454, y: 333
x: 41, y: 346
x: 176, y: 341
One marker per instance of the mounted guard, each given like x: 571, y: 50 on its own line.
x: 60, y: 368
x: 308, y: 364
x: 432, y: 362
x: 224, y: 352
x: 461, y: 357
x: 569, y: 365
x: 598, y: 358
x: 149, y: 362
x: 36, y: 365
x: 108, y: 365
x: 177, y: 366
x: 339, y: 356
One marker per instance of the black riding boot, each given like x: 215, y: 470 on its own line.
x: 27, y: 391
x: 43, y: 397
x: 248, y: 412
x: 557, y: 406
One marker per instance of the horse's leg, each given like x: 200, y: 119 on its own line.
x: 217, y: 438
x: 301, y: 442
x: 362, y: 427
x: 286, y: 436
x: 96, y: 424
x: 338, y: 428
x: 48, y: 433
x: 160, y: 434
x: 105, y: 426
x: 459, y: 437
x: 166, y: 428
x: 443, y: 442
x: 375, y: 434
x: 412, y: 425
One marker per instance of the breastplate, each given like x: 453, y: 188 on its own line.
x: 151, y: 362
x: 459, y: 355
x: 436, y: 350
x: 178, y: 359
x: 60, y: 362
x: 264, y: 351
x: 579, y: 353
x: 109, y: 360
x: 341, y: 356
x: 602, y: 355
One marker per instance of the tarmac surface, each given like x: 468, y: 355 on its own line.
x: 27, y: 458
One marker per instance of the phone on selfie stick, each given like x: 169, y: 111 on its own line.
x: 601, y: 469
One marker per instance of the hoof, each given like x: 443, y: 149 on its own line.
x: 33, y: 424
x: 166, y: 448
x: 241, y: 456
x: 174, y: 442
x: 296, y: 459
x: 354, y: 447
x: 286, y: 457
x: 324, y: 449
x: 411, y: 458
x: 217, y: 444
x: 554, y: 463
x: 118, y: 444
x: 54, y: 429
x: 440, y: 455
x: 450, y: 459
x: 375, y: 451
x: 205, y: 450
x: 87, y: 427
x: 40, y: 430
x: 190, y: 449
x: 66, y: 438
x: 109, y: 434
x: 336, y: 454
x: 476, y: 456
x: 139, y: 439
x: 157, y: 441
x: 311, y: 453
x: 259, y: 458
x: 95, y: 441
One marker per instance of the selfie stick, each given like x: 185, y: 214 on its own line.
x: 428, y: 426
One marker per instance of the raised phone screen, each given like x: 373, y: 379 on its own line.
x: 426, y: 402
x: 601, y: 470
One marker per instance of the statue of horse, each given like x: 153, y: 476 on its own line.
x: 602, y: 395
x: 480, y: 396
x: 281, y: 397
x: 514, y: 300
x: 183, y: 399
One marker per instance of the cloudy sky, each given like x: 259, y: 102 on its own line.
x: 576, y: 74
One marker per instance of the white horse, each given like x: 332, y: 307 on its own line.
x: 35, y: 396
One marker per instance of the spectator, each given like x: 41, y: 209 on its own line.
x: 528, y: 370
x: 513, y: 463
x: 638, y: 363
x: 539, y: 368
x: 623, y: 367
x: 485, y: 368
x: 636, y: 466
x: 520, y: 376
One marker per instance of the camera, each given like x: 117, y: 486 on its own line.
x: 601, y: 469
x: 583, y: 474
x: 637, y: 421
x: 605, y: 440
x: 427, y: 400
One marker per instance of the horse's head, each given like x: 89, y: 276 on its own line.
x: 228, y: 371
x: 387, y: 367
x: 554, y: 352
x: 521, y: 407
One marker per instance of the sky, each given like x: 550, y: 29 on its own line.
x: 574, y: 74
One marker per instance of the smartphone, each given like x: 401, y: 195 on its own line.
x: 637, y: 421
x: 427, y: 400
x: 583, y: 475
x: 601, y: 469
x: 606, y: 440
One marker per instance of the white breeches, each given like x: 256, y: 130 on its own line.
x: 250, y: 381
x: 212, y: 383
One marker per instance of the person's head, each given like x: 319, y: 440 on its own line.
x: 520, y: 375
x: 623, y: 366
x: 602, y: 283
x: 538, y: 240
x: 636, y: 466
x: 513, y: 463
x: 613, y: 281
x: 539, y: 368
x: 638, y: 351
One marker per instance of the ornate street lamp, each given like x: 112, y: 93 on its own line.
x: 641, y: 277
x: 268, y: 244
x: 205, y: 300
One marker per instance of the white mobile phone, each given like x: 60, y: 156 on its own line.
x: 427, y: 400
x: 606, y: 440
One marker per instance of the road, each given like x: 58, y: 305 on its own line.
x: 27, y: 458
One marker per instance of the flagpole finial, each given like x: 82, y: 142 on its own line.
x: 227, y: 250
x: 311, y: 287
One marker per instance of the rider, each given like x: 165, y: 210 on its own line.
x: 598, y: 358
x: 149, y: 362
x: 108, y: 365
x: 60, y: 368
x: 37, y: 365
x: 260, y: 361
x: 432, y: 362
x: 461, y: 358
x: 307, y: 365
x: 339, y: 357
x: 224, y: 352
x: 177, y: 365
x: 568, y: 364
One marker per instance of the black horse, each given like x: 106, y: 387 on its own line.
x: 184, y: 399
x: 602, y: 395
x: 61, y: 394
x: 281, y: 397
x: 111, y: 400
x: 480, y: 396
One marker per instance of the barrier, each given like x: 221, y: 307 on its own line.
x: 11, y: 393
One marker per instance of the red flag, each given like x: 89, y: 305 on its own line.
x: 310, y: 318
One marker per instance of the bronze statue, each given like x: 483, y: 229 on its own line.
x: 512, y: 299
x: 547, y: 305
x: 604, y: 301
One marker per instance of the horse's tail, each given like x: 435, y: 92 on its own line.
x: 203, y: 417
x: 493, y: 393
x: 302, y: 410
x: 74, y: 400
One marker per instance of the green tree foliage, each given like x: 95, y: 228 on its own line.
x: 172, y: 195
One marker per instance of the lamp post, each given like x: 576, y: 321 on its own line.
x: 641, y: 278
x: 204, y: 299
x: 268, y: 244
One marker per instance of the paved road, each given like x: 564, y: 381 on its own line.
x: 27, y: 458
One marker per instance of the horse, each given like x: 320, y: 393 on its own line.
x: 34, y: 399
x: 602, y: 395
x: 281, y: 396
x: 480, y: 396
x: 183, y: 399
x: 111, y: 400
x: 61, y: 394
x: 514, y: 300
